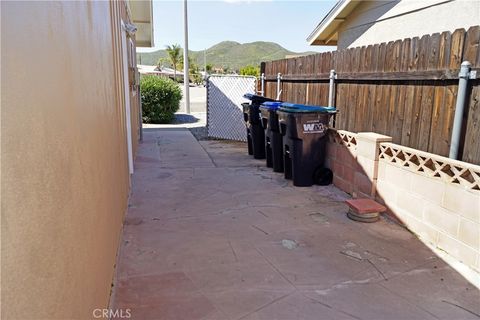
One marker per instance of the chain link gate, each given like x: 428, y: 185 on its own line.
x: 224, y: 109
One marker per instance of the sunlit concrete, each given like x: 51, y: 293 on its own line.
x: 213, y: 234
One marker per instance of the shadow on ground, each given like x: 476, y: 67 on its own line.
x: 211, y: 233
x: 181, y: 118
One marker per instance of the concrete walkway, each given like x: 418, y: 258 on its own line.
x: 212, y: 234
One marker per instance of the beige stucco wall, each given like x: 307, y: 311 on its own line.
x: 363, y: 27
x: 64, y: 166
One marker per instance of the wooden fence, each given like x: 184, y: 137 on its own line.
x: 405, y: 89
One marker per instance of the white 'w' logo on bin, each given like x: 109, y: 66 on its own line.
x: 314, y: 128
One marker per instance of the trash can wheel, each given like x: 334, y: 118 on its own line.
x: 323, y: 176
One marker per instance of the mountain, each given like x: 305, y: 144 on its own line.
x: 229, y: 54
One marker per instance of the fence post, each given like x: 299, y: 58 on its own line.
x: 262, y: 78
x: 262, y: 84
x: 279, y: 80
x: 463, y: 77
x: 331, y: 89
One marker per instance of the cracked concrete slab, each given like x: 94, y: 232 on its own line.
x: 211, y: 233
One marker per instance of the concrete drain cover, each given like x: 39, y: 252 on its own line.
x: 289, y: 244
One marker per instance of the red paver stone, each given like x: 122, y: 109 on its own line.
x: 365, y: 206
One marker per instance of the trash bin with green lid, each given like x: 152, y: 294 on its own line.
x: 304, y: 130
x: 273, y: 138
x: 255, y: 132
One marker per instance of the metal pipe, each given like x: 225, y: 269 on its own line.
x: 140, y: 111
x: 463, y: 77
x: 262, y: 81
x: 186, y: 80
x: 279, y: 83
x: 331, y: 89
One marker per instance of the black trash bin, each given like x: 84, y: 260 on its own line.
x: 273, y: 137
x: 304, y: 131
x: 255, y: 132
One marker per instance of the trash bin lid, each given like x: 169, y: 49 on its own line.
x: 293, y: 107
x: 256, y: 98
x: 271, y: 105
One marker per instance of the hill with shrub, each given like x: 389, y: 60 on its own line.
x: 228, y: 54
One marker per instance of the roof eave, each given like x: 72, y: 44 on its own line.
x: 326, y: 31
x: 142, y: 17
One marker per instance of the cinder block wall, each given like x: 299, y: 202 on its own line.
x: 435, y: 197
x: 352, y: 172
x: 442, y: 206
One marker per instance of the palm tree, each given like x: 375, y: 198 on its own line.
x: 174, y: 55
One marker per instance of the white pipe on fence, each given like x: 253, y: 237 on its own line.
x: 262, y: 81
x: 279, y: 80
x: 331, y: 89
x: 463, y: 77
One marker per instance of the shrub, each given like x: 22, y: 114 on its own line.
x: 160, y: 99
x: 250, y: 71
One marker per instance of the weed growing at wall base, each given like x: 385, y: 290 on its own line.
x: 160, y: 99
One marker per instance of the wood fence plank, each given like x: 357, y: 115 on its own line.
x: 379, y: 67
x: 441, y: 120
x: 458, y: 37
x: 471, y: 150
x: 409, y: 111
x: 418, y: 125
x: 383, y: 110
x: 431, y: 63
x: 406, y: 89
x: 471, y: 147
x: 470, y: 50
x: 341, y: 112
x: 426, y: 108
x: 394, y: 125
x: 439, y: 131
x: 388, y: 107
x: 340, y: 92
x: 404, y: 56
x: 354, y: 57
x: 433, y: 52
x: 359, y: 105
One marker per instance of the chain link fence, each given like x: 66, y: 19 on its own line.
x: 224, y: 109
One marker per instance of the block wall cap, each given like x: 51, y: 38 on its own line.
x: 372, y: 136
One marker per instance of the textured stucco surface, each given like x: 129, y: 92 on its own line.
x: 405, y: 19
x: 64, y: 164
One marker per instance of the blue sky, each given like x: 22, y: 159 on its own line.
x: 287, y: 23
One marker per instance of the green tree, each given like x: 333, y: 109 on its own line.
x: 161, y: 62
x: 174, y: 54
x: 191, y: 63
x: 250, y: 71
x: 209, y: 67
x: 193, y: 70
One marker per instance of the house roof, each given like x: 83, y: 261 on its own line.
x: 142, y: 18
x: 326, y: 33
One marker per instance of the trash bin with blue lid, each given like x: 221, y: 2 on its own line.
x: 304, y: 130
x: 273, y: 138
x: 255, y: 132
